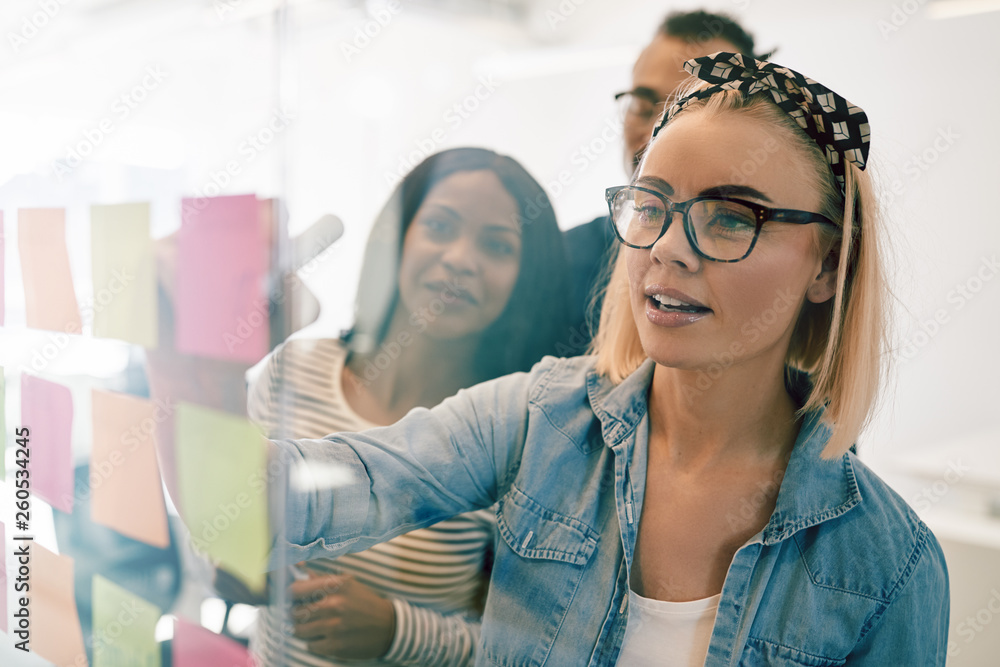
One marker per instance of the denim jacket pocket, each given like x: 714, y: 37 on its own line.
x: 760, y: 652
x: 541, y: 560
x: 533, y: 531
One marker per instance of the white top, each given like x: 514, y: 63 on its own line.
x: 667, y: 634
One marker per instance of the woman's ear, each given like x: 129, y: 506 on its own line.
x: 824, y: 286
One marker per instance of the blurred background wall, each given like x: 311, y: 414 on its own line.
x: 327, y: 108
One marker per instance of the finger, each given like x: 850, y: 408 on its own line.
x: 319, y: 236
x: 329, y: 606
x: 309, y: 589
x: 325, y: 647
x: 317, y: 630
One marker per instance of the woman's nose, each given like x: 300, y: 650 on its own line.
x: 459, y: 255
x: 673, y: 247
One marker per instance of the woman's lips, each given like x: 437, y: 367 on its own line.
x: 671, y: 318
x: 444, y: 290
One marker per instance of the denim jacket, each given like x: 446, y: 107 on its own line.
x: 844, y: 573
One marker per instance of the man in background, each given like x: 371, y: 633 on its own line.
x: 656, y: 75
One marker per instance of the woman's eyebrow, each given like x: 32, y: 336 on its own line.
x: 516, y: 231
x: 444, y: 208
x: 734, y: 191
x: 655, y: 183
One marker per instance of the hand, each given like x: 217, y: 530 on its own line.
x: 340, y: 618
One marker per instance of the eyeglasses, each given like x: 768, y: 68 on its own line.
x: 721, y: 229
x: 642, y: 103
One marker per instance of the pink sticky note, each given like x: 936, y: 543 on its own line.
x: 221, y: 302
x: 130, y: 496
x: 194, y: 646
x: 48, y: 285
x: 55, y: 623
x: 47, y: 411
x: 3, y: 582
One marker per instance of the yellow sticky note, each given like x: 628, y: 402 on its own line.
x: 124, y: 273
x: 48, y: 284
x: 55, y: 623
x: 221, y: 461
x: 125, y: 479
x: 124, y: 627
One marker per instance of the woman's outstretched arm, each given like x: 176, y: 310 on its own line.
x: 349, y: 491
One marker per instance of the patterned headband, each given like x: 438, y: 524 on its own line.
x: 837, y: 126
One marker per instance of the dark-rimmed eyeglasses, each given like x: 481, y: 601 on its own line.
x: 641, y: 103
x: 720, y: 229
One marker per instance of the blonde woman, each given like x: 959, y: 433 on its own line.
x: 689, y: 493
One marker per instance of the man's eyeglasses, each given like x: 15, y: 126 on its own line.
x: 721, y: 229
x: 642, y: 103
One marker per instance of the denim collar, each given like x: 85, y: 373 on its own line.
x: 813, y: 490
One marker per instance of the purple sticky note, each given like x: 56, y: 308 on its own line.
x: 194, y: 646
x: 3, y: 582
x: 47, y: 411
x: 222, y: 258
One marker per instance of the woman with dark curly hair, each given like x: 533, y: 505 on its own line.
x: 463, y: 281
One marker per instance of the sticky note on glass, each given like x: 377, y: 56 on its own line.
x: 48, y: 285
x: 124, y: 273
x: 195, y: 646
x: 221, y: 305
x: 55, y: 623
x: 221, y: 461
x: 47, y: 411
x: 129, y: 498
x: 124, y: 627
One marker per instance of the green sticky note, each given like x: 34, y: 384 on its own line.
x: 123, y: 268
x: 221, y: 462
x: 124, y: 627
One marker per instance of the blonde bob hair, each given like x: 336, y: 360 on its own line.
x: 840, y: 342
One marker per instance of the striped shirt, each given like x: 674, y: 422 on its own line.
x: 433, y: 575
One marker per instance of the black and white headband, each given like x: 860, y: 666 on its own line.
x: 837, y: 126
